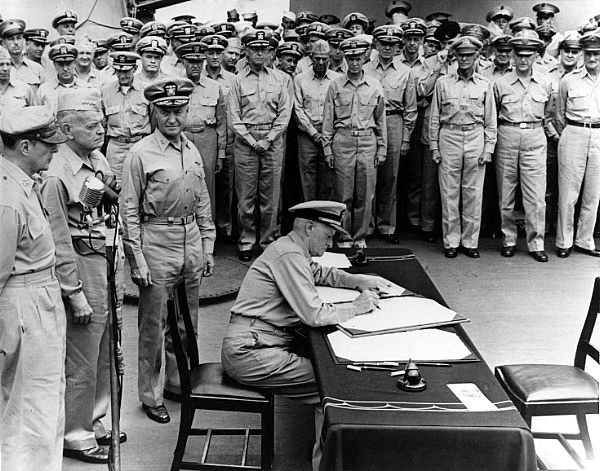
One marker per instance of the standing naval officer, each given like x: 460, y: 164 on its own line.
x: 168, y: 233
x: 32, y: 324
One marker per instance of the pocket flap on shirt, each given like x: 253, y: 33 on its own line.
x: 35, y: 229
x: 112, y: 110
x: 140, y: 109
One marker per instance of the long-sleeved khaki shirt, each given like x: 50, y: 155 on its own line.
x: 25, y: 235
x: 279, y: 287
x: 30, y: 72
x: 399, y: 89
x: 461, y: 102
x: 259, y: 98
x: 17, y: 94
x: 163, y: 181
x: 60, y: 191
x: 309, y: 99
x: 48, y: 92
x: 578, y: 99
x: 354, y: 107
x: 127, y: 113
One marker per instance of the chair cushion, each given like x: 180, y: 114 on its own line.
x: 209, y: 379
x: 549, y: 383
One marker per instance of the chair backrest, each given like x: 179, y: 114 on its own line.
x: 180, y: 323
x: 584, y: 346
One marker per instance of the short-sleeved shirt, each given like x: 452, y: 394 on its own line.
x: 126, y: 112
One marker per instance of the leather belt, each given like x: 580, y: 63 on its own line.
x: 462, y: 127
x: 169, y: 221
x: 260, y: 127
x: 35, y: 276
x: 198, y: 128
x: 392, y: 112
x: 526, y: 125
x: 261, y: 325
x: 584, y: 124
x: 356, y: 132
x: 128, y: 140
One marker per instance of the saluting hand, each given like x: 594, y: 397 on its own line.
x: 141, y: 276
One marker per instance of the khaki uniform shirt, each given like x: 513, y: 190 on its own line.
x: 399, y: 90
x: 578, y: 99
x: 126, y: 112
x: 341, y: 68
x: 172, y: 66
x: 309, y: 100
x: 355, y: 107
x: 463, y: 102
x: 493, y: 72
x: 163, y: 181
x: 48, y: 92
x: 145, y: 81
x: 25, y: 235
x: 60, y: 191
x: 32, y: 73
x: 259, y: 98
x: 16, y: 95
x: 279, y: 288
x: 420, y: 70
x: 223, y: 78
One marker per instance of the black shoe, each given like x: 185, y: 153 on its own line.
x: 450, y: 253
x: 171, y: 396
x: 245, y: 255
x: 563, y: 253
x: 539, y: 255
x: 593, y: 253
x: 105, y: 440
x: 96, y: 454
x: 473, y: 253
x: 158, y: 414
x: 391, y: 239
x: 508, y: 251
x: 428, y: 236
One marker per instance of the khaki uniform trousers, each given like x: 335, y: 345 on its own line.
x: 387, y: 178
x: 224, y: 184
x: 316, y: 177
x: 413, y: 169
x: 355, y: 178
x: 87, y: 394
x: 578, y: 173
x: 257, y: 181
x: 430, y: 192
x: 172, y: 253
x: 32, y: 373
x: 115, y: 154
x: 461, y: 180
x: 521, y: 157
x: 206, y: 143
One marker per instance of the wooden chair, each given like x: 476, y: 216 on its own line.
x: 539, y: 390
x: 206, y: 386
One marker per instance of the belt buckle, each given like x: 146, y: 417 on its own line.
x: 170, y: 221
x: 587, y: 124
x: 466, y: 127
x: 354, y: 133
x: 523, y: 125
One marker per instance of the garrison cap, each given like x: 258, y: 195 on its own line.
x: 354, y: 46
x: 337, y: 35
x: 124, y: 60
x: 546, y: 9
x: 38, y: 35
x: 154, y: 44
x: 227, y: 30
x: 501, y: 11
x: 290, y: 49
x: 590, y: 41
x: 256, y: 38
x: 65, y: 39
x: 33, y: 122
x: 388, y: 33
x: 100, y: 46
x: 355, y: 17
x: 202, y: 31
x: 545, y: 30
x: 192, y: 51
x: 526, y: 42
x: 120, y: 42
x: 329, y: 19
x: 183, y: 32
x: 478, y: 31
x: 414, y: 26
x: 233, y: 16
x: 65, y: 16
x: 317, y: 29
x: 501, y: 42
x: 153, y: 28
x: 467, y: 44
x: 397, y: 6
x: 320, y: 47
x: 79, y: 99
x: 250, y: 16
x: 523, y: 22
x: 438, y: 16
x: 215, y: 42
x: 12, y: 27
x: 62, y: 53
x: 447, y: 31
x: 234, y: 43
x: 329, y: 213
x: 131, y: 25
x: 291, y: 35
x: 570, y: 41
x: 185, y: 18
x: 169, y: 92
x: 306, y: 17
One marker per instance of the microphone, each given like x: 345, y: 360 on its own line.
x: 90, y: 197
x: 111, y: 188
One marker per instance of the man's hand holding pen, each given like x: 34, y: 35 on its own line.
x: 366, y: 302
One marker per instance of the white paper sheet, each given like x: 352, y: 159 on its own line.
x: 472, y: 397
x: 330, y: 259
x: 346, y: 295
x: 418, y: 345
x: 401, y: 313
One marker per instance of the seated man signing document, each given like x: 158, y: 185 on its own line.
x: 278, y: 295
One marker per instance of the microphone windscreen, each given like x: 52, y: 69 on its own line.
x: 91, y: 192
